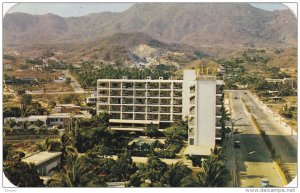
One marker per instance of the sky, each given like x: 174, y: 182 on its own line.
x: 80, y: 9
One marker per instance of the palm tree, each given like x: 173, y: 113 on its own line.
x: 176, y: 173
x: 214, y: 174
x: 24, y: 124
x: 45, y: 145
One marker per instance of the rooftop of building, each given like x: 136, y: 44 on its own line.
x: 41, y: 157
x: 197, y: 150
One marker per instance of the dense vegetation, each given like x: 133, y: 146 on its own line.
x: 88, y: 74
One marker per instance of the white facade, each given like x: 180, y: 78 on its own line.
x: 133, y: 104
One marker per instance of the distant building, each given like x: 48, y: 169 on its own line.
x: 8, y: 66
x: 61, y: 78
x: 286, y: 81
x: 56, y: 119
x: 92, y: 99
x: 67, y: 108
x: 44, y: 161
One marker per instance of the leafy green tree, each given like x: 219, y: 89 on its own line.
x: 68, y: 81
x: 176, y: 173
x: 152, y: 174
x: 123, y: 167
x: 22, y: 174
x: 214, y: 174
x: 151, y: 131
x: 25, y: 103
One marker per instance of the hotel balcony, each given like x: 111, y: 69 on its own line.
x: 115, y: 85
x: 127, y: 101
x: 127, y: 85
x: 115, y: 101
x: 152, y: 109
x: 177, y: 85
x: 139, y: 117
x: 115, y: 116
x: 139, y: 101
x: 191, y: 131
x: 218, y: 110
x: 165, y: 118
x: 115, y: 93
x: 191, y: 121
x: 140, y: 93
x: 139, y: 109
x: 140, y: 85
x: 218, y: 122
x: 192, y: 102
x: 177, y: 94
x: 152, y: 85
x: 153, y: 94
x: 115, y: 108
x: 219, y: 89
x: 103, y: 100
x: 127, y: 109
x: 103, y: 93
x: 165, y: 101
x: 165, y: 85
x: 177, y: 102
x: 177, y: 117
x: 219, y: 99
x: 218, y: 133
x: 152, y: 117
x: 102, y: 107
x: 127, y: 93
x: 127, y: 116
x: 165, y: 94
x: 153, y: 101
x: 192, y: 89
x: 177, y: 110
x: 165, y: 110
x: 103, y: 85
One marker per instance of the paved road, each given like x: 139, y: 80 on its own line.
x: 76, y: 86
x: 253, y: 167
x: 280, y: 137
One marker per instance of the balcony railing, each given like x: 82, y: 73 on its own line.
x: 165, y: 118
x: 140, y: 85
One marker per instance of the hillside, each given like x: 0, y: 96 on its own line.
x: 205, y: 24
x: 132, y: 48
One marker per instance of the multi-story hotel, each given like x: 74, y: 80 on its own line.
x: 134, y: 104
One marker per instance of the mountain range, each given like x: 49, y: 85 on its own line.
x: 195, y: 24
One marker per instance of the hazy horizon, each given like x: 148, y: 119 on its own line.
x: 82, y: 9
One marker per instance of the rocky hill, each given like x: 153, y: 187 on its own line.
x: 204, y: 24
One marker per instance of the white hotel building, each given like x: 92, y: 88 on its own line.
x: 134, y: 104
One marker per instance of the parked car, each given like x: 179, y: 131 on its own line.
x: 237, y: 144
x: 235, y: 98
x: 265, y: 182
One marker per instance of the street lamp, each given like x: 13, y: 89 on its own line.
x: 237, y: 165
x: 233, y: 123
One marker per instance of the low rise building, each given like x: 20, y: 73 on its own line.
x: 44, y: 161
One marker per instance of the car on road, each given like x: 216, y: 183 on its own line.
x: 237, y: 144
x: 245, y: 93
x: 265, y: 182
x: 235, y: 97
x: 236, y: 131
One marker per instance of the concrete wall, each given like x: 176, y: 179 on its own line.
x: 205, y: 111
